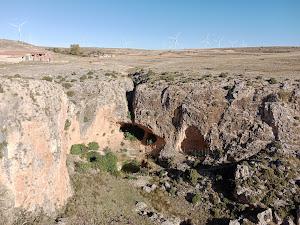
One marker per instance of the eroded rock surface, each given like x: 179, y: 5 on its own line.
x: 35, y: 142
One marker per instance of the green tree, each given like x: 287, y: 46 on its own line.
x: 75, y: 49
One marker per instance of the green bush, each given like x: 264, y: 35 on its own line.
x: 82, y: 167
x: 219, y: 177
x: 277, y: 144
x: 172, y: 191
x: 2, y: 145
x: 258, y: 77
x: 47, y: 78
x: 1, y: 89
x: 70, y: 93
x: 196, y: 162
x: 228, y: 87
x: 67, y: 85
x: 82, y: 78
x: 196, y: 198
x: 129, y: 136
x: 192, y: 176
x: 77, y: 149
x: 284, y: 95
x: 223, y: 75
x: 85, y: 119
x: 17, y: 75
x: 122, y: 143
x: 90, y: 73
x: 128, y: 115
x: 93, y: 145
x: 297, y: 118
x: 56, y: 50
x: 273, y: 81
x: 67, y: 124
x: 106, y: 162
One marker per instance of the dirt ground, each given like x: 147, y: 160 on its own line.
x: 278, y: 62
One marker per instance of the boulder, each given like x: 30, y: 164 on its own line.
x: 265, y: 217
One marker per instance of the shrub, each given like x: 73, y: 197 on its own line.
x: 77, y: 149
x: 128, y: 115
x: 297, y: 118
x: 56, y: 50
x: 223, y: 75
x: 228, y: 87
x: 277, y: 144
x: 93, y: 145
x: 196, y: 162
x: 258, y: 77
x: 47, y: 78
x: 2, y: 145
x: 1, y: 89
x: 284, y: 95
x: 106, y: 162
x: 85, y: 119
x: 70, y: 93
x: 82, y: 167
x: 219, y: 177
x: 172, y: 191
x: 17, y: 75
x: 73, y: 80
x: 215, y: 104
x: 129, y: 136
x: 273, y: 81
x: 82, y: 78
x: 196, y: 198
x: 67, y: 124
x: 67, y: 85
x: 90, y: 73
x: 192, y: 176
x: 122, y: 143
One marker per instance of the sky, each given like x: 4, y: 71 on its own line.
x: 148, y: 24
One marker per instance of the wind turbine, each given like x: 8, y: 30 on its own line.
x: 175, y: 40
x: 243, y: 44
x: 127, y: 44
x: 219, y: 42
x: 206, y: 42
x: 19, y: 28
x: 232, y: 43
x: 30, y: 38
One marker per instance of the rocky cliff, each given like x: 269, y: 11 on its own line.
x: 216, y: 119
x: 231, y: 118
x: 39, y: 123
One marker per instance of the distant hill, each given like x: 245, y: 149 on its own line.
x: 17, y: 45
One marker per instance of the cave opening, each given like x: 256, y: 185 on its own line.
x: 194, y: 143
x: 133, y: 131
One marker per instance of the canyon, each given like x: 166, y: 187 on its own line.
x: 220, y: 107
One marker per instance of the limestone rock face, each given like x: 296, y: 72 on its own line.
x: 33, y: 166
x: 238, y: 122
x: 35, y: 142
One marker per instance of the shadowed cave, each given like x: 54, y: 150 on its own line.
x: 194, y: 143
x: 143, y: 134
